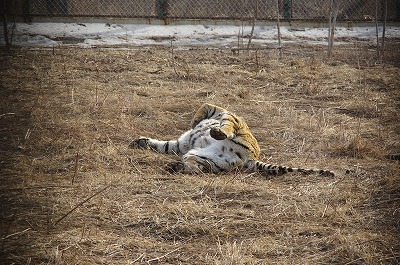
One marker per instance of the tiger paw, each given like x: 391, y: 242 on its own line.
x: 175, y: 167
x: 142, y: 143
x: 217, y: 134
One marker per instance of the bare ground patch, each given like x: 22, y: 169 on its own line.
x: 72, y: 192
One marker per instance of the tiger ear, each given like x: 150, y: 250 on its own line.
x: 199, y: 116
x: 195, y: 122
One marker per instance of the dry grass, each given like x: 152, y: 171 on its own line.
x: 72, y: 192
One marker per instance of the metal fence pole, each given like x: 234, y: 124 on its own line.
x: 5, y: 27
x: 287, y: 7
x: 162, y: 9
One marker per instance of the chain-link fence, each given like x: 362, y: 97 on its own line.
x: 312, y: 10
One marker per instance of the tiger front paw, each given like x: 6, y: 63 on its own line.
x: 217, y: 134
x: 141, y: 143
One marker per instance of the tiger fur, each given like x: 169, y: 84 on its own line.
x: 217, y: 141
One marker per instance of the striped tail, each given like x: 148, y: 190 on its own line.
x: 276, y: 170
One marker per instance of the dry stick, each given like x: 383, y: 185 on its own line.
x: 384, y: 28
x: 242, y: 37
x: 7, y: 229
x: 72, y: 93
x: 173, y: 60
x: 279, y: 29
x: 163, y: 256
x: 254, y: 48
x: 16, y: 233
x: 332, y: 25
x: 5, y: 114
x: 253, y: 24
x: 96, y: 95
x: 257, y: 61
x: 238, y: 42
x: 377, y: 29
x: 252, y: 32
x: 65, y: 73
x: 137, y: 259
x: 75, y: 169
x: 42, y: 187
x: 14, y: 26
x: 336, y: 11
x: 81, y: 203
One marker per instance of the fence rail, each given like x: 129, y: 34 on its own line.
x: 316, y: 10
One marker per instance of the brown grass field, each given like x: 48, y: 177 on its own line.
x: 72, y: 192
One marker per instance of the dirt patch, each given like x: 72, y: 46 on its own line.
x: 73, y: 192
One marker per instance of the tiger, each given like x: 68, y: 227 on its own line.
x: 218, y: 141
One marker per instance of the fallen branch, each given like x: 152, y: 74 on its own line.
x: 163, y: 256
x: 81, y: 203
x: 255, y: 14
x: 5, y: 114
x: 173, y: 61
x: 75, y: 169
x: 16, y: 233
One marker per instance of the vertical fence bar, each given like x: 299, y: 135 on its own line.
x: 5, y: 27
x: 384, y: 27
x: 279, y: 28
x: 287, y: 7
x: 162, y: 9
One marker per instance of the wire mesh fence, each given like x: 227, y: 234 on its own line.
x: 315, y: 10
x: 329, y: 11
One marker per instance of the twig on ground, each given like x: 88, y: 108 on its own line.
x: 75, y: 169
x: 16, y: 233
x: 253, y: 24
x: 173, y: 61
x: 81, y: 203
x: 163, y: 256
x: 376, y: 29
x: 5, y: 114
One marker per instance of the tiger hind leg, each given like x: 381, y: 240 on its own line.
x: 192, y: 164
x: 189, y: 165
x: 276, y: 170
x: 205, y: 160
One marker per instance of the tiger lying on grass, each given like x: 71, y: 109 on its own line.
x: 217, y: 141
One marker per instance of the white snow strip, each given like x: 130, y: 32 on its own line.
x: 94, y: 34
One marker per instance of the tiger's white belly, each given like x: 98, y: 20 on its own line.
x: 224, y: 154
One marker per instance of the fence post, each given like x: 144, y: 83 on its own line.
x: 5, y: 27
x: 25, y: 11
x: 287, y: 9
x: 162, y: 9
x: 333, y: 13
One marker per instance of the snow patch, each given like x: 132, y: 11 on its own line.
x: 95, y: 34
